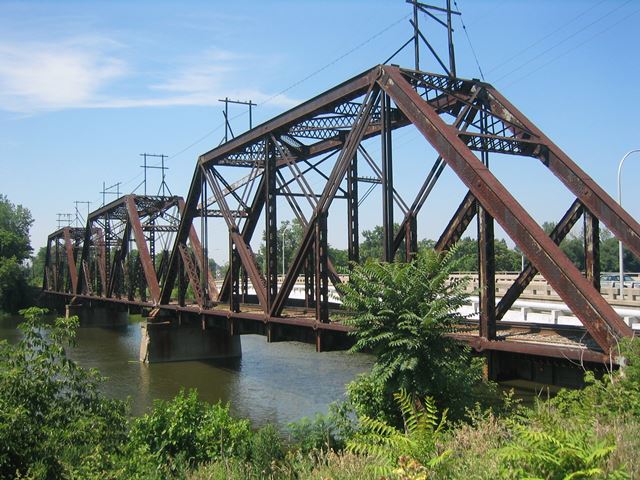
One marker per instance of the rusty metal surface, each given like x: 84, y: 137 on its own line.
x: 464, y: 121
x: 598, y: 317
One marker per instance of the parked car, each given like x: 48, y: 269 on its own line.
x: 613, y: 280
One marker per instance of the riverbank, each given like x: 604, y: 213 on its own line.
x: 272, y: 382
x: 55, y: 422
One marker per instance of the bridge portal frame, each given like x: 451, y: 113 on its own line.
x: 465, y: 121
x: 380, y: 100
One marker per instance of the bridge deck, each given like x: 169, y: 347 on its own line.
x: 557, y: 341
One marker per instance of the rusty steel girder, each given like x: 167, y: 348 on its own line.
x: 61, y: 257
x: 126, y: 246
x: 328, y: 138
x: 598, y: 317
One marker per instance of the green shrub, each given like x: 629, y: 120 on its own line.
x: 404, y: 313
x: 267, y: 449
x: 188, y: 430
x: 324, y: 432
x: 54, y: 422
x: 556, y: 453
x: 411, y: 451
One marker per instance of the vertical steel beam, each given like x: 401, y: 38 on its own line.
x: 233, y: 274
x: 46, y: 284
x: 271, y: 221
x: 410, y: 237
x: 486, y: 275
x: 309, y: 284
x: 101, y: 254
x: 387, y: 177
x: 202, y: 253
x: 353, y: 229
x: 486, y: 258
x: 321, y: 269
x: 182, y: 285
x: 592, y: 249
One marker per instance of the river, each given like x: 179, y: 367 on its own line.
x: 272, y: 382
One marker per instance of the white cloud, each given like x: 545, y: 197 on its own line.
x: 38, y: 76
x: 80, y: 73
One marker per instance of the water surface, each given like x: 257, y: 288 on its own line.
x: 272, y: 382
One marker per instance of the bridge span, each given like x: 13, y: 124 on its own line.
x: 151, y: 253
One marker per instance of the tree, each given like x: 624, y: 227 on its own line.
x: 340, y: 258
x: 372, y: 245
x: 37, y: 266
x: 573, y: 247
x: 54, y: 421
x: 403, y: 313
x: 506, y: 259
x: 15, y: 248
x: 15, y: 222
x: 293, y: 232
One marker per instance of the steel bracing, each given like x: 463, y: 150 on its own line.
x: 315, y: 154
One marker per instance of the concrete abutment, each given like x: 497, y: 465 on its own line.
x: 98, y: 316
x: 173, y: 342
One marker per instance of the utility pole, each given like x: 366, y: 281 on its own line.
x: 78, y: 214
x: 64, y: 219
x: 225, y: 113
x: 108, y: 191
x: 163, y: 184
x: 431, y: 11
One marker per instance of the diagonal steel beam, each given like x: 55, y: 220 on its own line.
x: 592, y: 196
x: 244, y: 250
x: 143, y: 250
x: 458, y: 224
x: 337, y: 174
x: 120, y: 255
x: 463, y: 119
x: 527, y: 274
x: 194, y: 240
x: 602, y: 322
x: 71, y: 262
x: 184, y: 229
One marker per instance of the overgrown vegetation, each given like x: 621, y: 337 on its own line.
x: 55, y: 423
x: 405, y: 311
x: 15, y: 248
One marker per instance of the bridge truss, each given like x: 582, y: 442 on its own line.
x: 311, y: 156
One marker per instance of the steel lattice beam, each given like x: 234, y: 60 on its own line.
x: 463, y: 120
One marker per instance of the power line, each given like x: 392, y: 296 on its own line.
x: 541, y: 39
x: 600, y: 18
x: 466, y: 33
x: 295, y: 84
x: 269, y: 99
x: 625, y: 18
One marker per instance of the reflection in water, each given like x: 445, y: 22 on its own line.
x: 272, y: 382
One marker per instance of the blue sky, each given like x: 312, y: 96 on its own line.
x: 85, y: 87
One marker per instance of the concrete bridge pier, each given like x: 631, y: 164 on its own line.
x: 92, y: 315
x: 175, y: 341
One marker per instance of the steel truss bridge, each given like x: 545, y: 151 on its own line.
x: 313, y: 155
